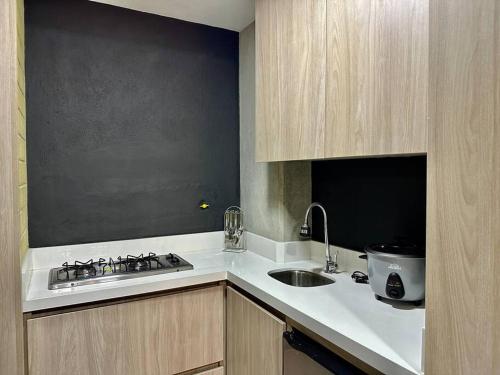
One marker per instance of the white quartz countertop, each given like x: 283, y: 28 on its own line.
x: 384, y: 335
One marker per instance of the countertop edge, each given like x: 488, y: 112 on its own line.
x: 37, y: 305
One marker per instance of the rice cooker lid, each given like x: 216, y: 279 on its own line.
x: 397, y: 249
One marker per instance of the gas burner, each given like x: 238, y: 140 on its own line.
x: 154, y: 260
x: 136, y: 263
x: 90, y: 272
x: 78, y: 270
x: 141, y: 263
x: 85, y: 270
x: 172, y: 258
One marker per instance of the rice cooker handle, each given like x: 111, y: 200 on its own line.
x: 394, y: 287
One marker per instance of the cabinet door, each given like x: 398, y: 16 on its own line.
x: 157, y: 336
x: 376, y: 77
x: 290, y: 38
x: 462, y: 334
x: 254, y: 338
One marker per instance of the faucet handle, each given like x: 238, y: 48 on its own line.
x: 305, y: 231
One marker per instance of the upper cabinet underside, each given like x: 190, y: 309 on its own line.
x: 338, y: 78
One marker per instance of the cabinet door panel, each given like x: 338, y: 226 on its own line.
x: 377, y: 77
x: 254, y: 338
x: 157, y: 336
x: 462, y: 334
x: 290, y: 79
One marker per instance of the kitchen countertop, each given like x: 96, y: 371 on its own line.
x: 387, y: 336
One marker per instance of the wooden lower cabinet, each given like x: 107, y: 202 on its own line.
x: 156, y: 336
x: 254, y: 338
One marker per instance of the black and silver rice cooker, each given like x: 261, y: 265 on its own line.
x: 397, y: 271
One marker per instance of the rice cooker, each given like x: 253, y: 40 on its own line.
x: 397, y: 271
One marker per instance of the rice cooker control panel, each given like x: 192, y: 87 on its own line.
x: 394, y: 287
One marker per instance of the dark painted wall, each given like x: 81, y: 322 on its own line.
x: 132, y: 120
x: 371, y: 200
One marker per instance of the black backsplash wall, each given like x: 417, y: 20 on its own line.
x: 370, y: 200
x: 132, y: 120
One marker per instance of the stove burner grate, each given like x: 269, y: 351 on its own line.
x: 102, y: 270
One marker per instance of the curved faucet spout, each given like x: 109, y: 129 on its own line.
x: 305, y: 231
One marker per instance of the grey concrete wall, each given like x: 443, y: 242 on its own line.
x: 274, y: 196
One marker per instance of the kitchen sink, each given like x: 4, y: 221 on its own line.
x: 300, y: 278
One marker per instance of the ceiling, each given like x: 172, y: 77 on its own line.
x: 227, y: 14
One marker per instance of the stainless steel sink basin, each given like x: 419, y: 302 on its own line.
x: 300, y: 278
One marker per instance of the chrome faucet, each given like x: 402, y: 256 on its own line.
x: 305, y: 231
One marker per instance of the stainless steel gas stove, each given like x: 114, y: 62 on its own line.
x: 101, y: 271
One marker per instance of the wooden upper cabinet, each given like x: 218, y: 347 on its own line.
x: 157, y: 336
x: 290, y: 38
x: 377, y: 77
x: 341, y: 78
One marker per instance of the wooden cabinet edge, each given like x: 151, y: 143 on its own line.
x: 119, y: 300
x: 335, y: 156
x: 257, y: 306
x: 214, y: 371
x: 351, y: 156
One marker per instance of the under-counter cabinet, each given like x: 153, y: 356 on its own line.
x: 341, y: 78
x: 156, y: 336
x: 254, y: 338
